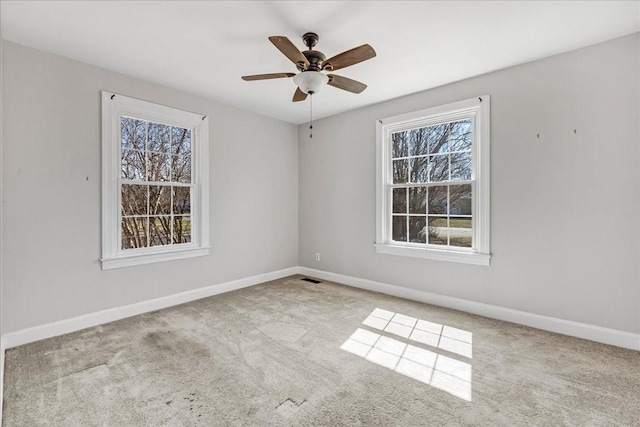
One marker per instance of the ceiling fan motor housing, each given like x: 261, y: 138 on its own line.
x: 315, y: 58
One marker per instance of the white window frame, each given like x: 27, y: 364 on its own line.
x: 478, y: 109
x: 114, y: 106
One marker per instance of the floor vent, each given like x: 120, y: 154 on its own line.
x: 306, y: 279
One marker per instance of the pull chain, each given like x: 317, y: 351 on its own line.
x: 311, y: 115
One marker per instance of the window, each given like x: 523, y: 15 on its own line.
x: 154, y: 182
x: 433, y: 183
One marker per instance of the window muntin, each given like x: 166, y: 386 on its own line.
x: 154, y: 182
x: 433, y: 183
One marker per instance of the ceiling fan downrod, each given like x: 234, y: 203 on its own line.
x: 315, y: 57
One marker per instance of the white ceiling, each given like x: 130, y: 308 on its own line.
x: 204, y: 47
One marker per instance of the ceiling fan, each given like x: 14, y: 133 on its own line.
x: 311, y: 63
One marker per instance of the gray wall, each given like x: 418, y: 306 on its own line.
x: 51, y: 227
x: 564, y: 207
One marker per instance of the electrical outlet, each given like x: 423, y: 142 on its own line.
x: 317, y: 257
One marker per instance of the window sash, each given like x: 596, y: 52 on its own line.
x: 389, y: 178
x: 148, y: 183
x: 391, y: 214
x: 171, y: 215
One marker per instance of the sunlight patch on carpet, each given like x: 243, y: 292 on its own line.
x: 447, y: 338
x: 429, y: 367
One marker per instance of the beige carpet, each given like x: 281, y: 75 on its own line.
x: 290, y: 352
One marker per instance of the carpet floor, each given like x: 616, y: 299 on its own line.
x: 294, y: 353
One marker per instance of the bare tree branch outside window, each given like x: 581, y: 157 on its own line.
x: 435, y: 163
x: 156, y: 184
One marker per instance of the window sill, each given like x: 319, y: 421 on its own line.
x: 148, y: 258
x: 474, y: 258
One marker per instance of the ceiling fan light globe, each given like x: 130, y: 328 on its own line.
x: 310, y: 81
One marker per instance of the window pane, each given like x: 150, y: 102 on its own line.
x: 134, y: 199
x: 133, y: 133
x: 438, y: 200
x: 438, y: 230
x: 159, y: 200
x: 418, y: 142
x: 399, y: 144
x: 460, y: 137
x: 418, y: 200
x: 180, y: 141
x: 400, y: 171
x: 460, y: 233
x: 438, y: 138
x: 159, y: 230
x: 399, y: 228
x: 461, y: 166
x: 418, y: 229
x: 400, y: 200
x: 182, y: 229
x: 181, y: 169
x: 181, y: 200
x: 418, y: 169
x: 133, y: 165
x: 439, y: 168
x: 134, y: 233
x: 159, y: 137
x: 159, y: 167
x: 460, y: 199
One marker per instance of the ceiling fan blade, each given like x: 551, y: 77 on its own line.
x: 346, y: 84
x: 267, y: 76
x: 350, y: 57
x: 299, y: 96
x: 290, y: 50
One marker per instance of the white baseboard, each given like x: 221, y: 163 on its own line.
x: 552, y: 324
x: 25, y: 336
